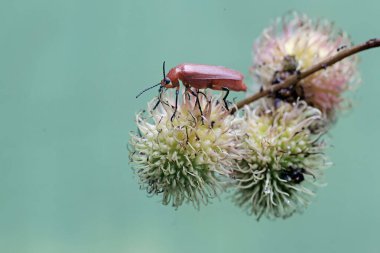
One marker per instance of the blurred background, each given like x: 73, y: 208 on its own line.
x: 69, y: 73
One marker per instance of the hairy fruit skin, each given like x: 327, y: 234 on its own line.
x: 283, y: 159
x: 294, y: 43
x: 184, y: 159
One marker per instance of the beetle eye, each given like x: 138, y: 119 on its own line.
x: 167, y: 80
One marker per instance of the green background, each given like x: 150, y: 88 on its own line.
x: 69, y: 73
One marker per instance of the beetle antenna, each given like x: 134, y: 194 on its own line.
x: 163, y: 69
x: 147, y: 89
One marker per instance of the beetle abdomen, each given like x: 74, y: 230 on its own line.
x: 214, y: 77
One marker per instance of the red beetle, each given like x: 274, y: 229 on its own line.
x: 201, y: 76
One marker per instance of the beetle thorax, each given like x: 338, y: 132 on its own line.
x: 173, y: 75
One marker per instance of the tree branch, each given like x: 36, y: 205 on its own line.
x: 344, y: 53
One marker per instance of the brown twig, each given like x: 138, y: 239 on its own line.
x: 372, y: 43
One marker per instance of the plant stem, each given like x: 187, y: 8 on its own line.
x: 293, y: 79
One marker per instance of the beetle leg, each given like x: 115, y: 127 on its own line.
x: 199, y: 106
x: 161, y: 90
x: 197, y: 101
x: 159, y: 98
x: 176, y: 103
x: 225, y: 97
x: 155, y: 107
x: 200, y: 92
x: 191, y: 91
x: 187, y: 91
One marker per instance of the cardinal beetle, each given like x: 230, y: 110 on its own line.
x: 200, y: 76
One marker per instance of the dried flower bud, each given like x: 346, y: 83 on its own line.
x: 295, y: 43
x: 183, y: 159
x: 283, y: 159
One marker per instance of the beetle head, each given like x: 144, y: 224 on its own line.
x: 166, y: 80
